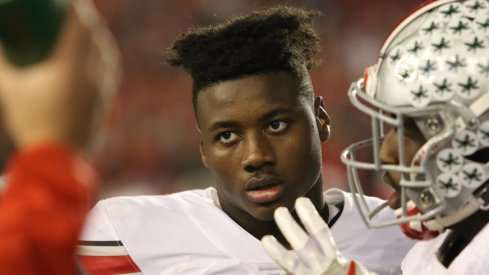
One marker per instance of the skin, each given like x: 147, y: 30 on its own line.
x: 262, y: 126
x: 389, y: 154
x: 62, y: 98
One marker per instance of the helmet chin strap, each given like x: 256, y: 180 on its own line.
x: 426, y: 230
x: 440, y: 223
x: 416, y: 229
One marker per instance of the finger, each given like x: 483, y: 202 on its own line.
x: 279, y: 253
x: 290, y: 229
x: 74, y: 37
x: 309, y: 217
x: 87, y: 12
x: 3, y: 60
x: 315, y: 225
x: 108, y: 70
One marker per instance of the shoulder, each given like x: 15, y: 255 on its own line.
x: 334, y: 196
x: 107, y: 214
x: 127, y: 205
x: 352, y: 221
x: 471, y: 258
x: 422, y: 257
x: 381, y: 250
x: 480, y: 245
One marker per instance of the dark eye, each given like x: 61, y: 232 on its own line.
x: 277, y: 126
x: 227, y: 137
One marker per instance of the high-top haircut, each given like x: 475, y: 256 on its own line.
x: 279, y: 39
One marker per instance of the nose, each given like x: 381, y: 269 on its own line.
x: 389, y: 149
x: 258, y: 153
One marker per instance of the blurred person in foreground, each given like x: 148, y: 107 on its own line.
x: 49, y: 110
x: 261, y: 130
x: 428, y: 97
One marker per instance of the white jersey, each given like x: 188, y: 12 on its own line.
x: 472, y: 260
x: 188, y: 233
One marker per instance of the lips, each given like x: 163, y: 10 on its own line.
x: 394, y: 200
x: 265, y: 189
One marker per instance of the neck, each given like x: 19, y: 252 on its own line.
x: 259, y: 228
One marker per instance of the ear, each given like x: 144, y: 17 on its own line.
x: 202, y: 154
x: 322, y: 119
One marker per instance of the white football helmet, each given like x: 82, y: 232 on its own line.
x: 434, y: 70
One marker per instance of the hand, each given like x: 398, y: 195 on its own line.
x: 314, y: 252
x: 61, y: 98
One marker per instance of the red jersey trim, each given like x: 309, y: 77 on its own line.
x: 106, y: 257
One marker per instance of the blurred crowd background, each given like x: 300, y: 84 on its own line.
x: 150, y: 143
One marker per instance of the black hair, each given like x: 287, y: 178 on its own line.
x: 265, y: 41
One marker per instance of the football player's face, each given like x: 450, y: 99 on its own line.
x: 261, y: 140
x: 389, y: 154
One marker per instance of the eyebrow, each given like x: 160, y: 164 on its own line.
x: 274, y: 113
x: 234, y: 124
x: 223, y: 124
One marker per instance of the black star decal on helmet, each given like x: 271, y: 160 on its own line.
x: 396, y: 56
x: 476, y: 7
x: 470, y: 176
x: 449, y: 185
x: 457, y: 63
x: 450, y: 161
x: 468, y: 86
x: 462, y: 26
x: 483, y: 69
x: 405, y: 74
x: 428, y: 67
x: 420, y: 94
x: 432, y: 27
x: 450, y: 11
x: 464, y: 143
x: 483, y: 25
x: 416, y: 47
x: 443, y: 44
x: 443, y: 87
x: 475, y: 45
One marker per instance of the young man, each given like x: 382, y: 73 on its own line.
x: 48, y: 110
x: 261, y: 130
x: 430, y: 87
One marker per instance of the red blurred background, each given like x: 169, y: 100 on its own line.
x: 150, y: 144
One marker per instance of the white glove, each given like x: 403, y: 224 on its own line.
x: 314, y: 252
